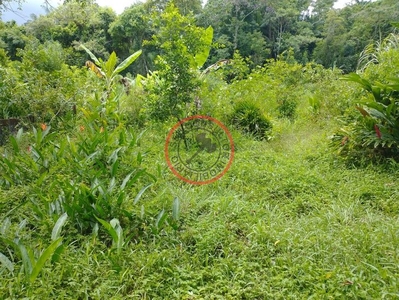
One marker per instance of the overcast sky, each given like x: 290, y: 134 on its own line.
x: 35, y: 7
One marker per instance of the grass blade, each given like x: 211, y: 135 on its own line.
x: 109, y: 228
x: 19, y: 134
x: 119, y: 231
x: 160, y: 219
x: 57, y: 253
x: 141, y: 193
x: 125, y: 181
x: 26, y: 259
x: 43, y: 258
x: 176, y: 209
x: 14, y: 144
x: 55, y: 234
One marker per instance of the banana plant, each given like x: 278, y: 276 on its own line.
x: 108, y: 69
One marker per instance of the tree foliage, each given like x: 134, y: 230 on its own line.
x: 183, y: 48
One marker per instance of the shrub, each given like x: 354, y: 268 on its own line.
x: 374, y: 129
x: 287, y: 108
x: 249, y: 118
x: 184, y: 49
x: 41, y: 86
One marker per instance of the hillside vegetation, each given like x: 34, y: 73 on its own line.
x: 89, y: 208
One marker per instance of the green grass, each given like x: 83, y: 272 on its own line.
x: 288, y: 221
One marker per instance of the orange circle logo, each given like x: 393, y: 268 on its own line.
x: 199, y: 150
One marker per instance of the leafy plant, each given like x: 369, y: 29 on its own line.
x: 236, y: 69
x: 287, y: 108
x: 40, y: 85
x: 376, y: 127
x: 115, y: 231
x: 110, y: 72
x: 103, y: 191
x: 249, y: 118
x: 32, y: 266
x: 163, y: 218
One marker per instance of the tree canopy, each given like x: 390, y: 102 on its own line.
x: 258, y: 29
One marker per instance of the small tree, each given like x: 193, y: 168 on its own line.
x: 184, y: 49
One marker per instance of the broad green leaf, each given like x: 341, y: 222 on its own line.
x: 38, y: 210
x: 136, y: 140
x: 128, y: 181
x: 19, y: 134
x: 121, y: 198
x: 114, y: 168
x: 110, y: 64
x: 109, y: 228
x: 160, y: 219
x: 176, y: 209
x: 6, y: 262
x: 391, y: 109
x: 141, y: 193
x: 376, y: 91
x: 21, y: 226
x: 43, y: 258
x: 37, y: 155
x: 57, y: 253
x: 201, y: 57
x: 14, y: 144
x: 119, y: 231
x: 114, y: 155
x: 92, y: 56
x: 127, y: 62
x: 55, y: 234
x: 95, y: 230
x: 112, y: 184
x: 380, y: 115
x: 125, y: 181
x: 26, y: 258
x: 92, y: 155
x: 34, y: 131
x: 41, y: 179
x: 5, y: 226
x: 139, y: 80
x: 356, y: 78
x: 7, y: 178
x: 142, y: 211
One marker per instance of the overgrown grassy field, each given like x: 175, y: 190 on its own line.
x: 289, y: 220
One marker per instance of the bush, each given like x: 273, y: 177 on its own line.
x: 249, y: 118
x: 287, y: 108
x: 373, y: 130
x: 41, y: 86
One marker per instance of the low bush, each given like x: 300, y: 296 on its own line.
x: 249, y: 118
x: 371, y: 129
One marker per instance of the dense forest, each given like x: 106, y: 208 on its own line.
x: 306, y: 98
x: 257, y: 29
